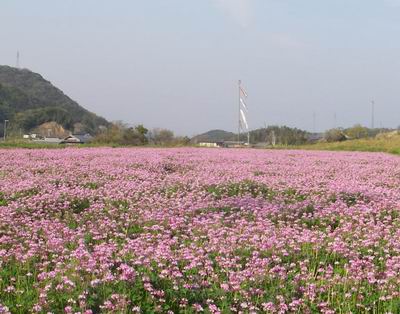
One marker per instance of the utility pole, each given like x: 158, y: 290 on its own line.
x: 5, y: 130
x: 334, y: 121
x: 17, y: 64
x: 273, y: 138
x: 314, y: 122
x: 372, y: 114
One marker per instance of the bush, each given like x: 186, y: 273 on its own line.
x: 357, y: 131
x: 334, y: 135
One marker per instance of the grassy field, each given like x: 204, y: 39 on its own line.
x: 26, y: 144
x: 11, y: 144
x: 384, y: 144
x: 388, y: 145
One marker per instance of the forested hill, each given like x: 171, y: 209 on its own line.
x: 214, y: 136
x: 27, y: 100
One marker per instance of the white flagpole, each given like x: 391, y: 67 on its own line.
x: 240, y: 82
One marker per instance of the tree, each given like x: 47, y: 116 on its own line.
x: 280, y: 135
x: 357, y: 131
x: 120, y: 134
x: 142, y: 132
x: 334, y: 135
x: 162, y: 136
x: 131, y: 137
x: 111, y: 135
x: 181, y: 141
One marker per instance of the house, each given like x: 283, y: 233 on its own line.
x: 234, y: 144
x: 77, y: 139
x: 47, y: 140
x: 211, y: 144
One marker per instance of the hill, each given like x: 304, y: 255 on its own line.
x: 214, y: 136
x: 27, y: 100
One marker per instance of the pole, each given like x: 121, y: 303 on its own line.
x: 314, y: 122
x: 240, y: 82
x: 5, y: 130
x: 372, y: 114
x: 334, y: 121
x: 273, y: 138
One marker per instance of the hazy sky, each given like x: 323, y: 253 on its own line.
x: 175, y: 63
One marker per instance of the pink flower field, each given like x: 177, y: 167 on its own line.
x: 190, y: 230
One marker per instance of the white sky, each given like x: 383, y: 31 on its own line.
x: 176, y: 63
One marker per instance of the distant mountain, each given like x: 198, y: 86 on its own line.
x: 214, y: 136
x: 28, y: 101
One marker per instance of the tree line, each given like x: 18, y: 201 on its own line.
x: 120, y: 133
x: 355, y: 132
